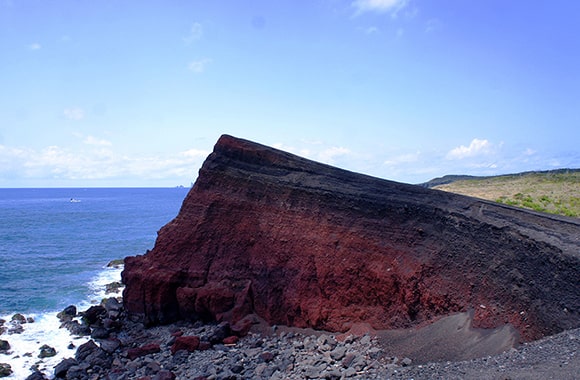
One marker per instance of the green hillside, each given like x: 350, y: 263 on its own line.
x: 555, y: 191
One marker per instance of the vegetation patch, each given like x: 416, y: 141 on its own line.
x: 555, y: 192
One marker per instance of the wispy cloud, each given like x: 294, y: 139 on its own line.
x: 331, y: 154
x: 379, y: 6
x: 371, y: 30
x: 199, y: 66
x: 34, y: 46
x: 476, y: 147
x: 96, y: 160
x: 195, y: 33
x: 74, y: 113
x: 91, y: 140
x: 405, y: 158
x: 432, y: 25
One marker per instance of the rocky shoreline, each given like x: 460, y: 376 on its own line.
x: 123, y: 349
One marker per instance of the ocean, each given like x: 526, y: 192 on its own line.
x: 55, y: 245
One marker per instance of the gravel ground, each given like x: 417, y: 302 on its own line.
x: 125, y: 350
x: 555, y: 357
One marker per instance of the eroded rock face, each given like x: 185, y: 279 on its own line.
x: 304, y: 244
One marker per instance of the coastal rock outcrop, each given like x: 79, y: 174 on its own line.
x: 305, y: 244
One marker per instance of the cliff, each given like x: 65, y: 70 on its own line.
x: 308, y: 245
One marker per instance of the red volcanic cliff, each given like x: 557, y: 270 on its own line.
x: 305, y: 244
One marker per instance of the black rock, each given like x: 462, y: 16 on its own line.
x: 110, y: 345
x: 112, y: 304
x: 93, y: 314
x: 78, y: 372
x: 164, y: 375
x: 16, y: 328
x: 85, y: 350
x: 220, y: 332
x: 76, y: 328
x: 36, y: 375
x: 46, y: 351
x: 68, y: 313
x: 237, y: 368
x: 100, y: 333
x: 4, y: 345
x: 18, y: 318
x: 111, y: 324
x: 113, y: 287
x: 93, y: 355
x: 5, y: 370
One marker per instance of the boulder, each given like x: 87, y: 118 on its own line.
x: 187, y: 343
x: 117, y: 263
x: 46, y: 351
x: 100, y: 333
x: 5, y: 370
x: 94, y: 314
x: 164, y: 375
x: 36, y: 375
x: 15, y: 328
x: 76, y: 328
x: 146, y: 349
x: 4, y: 345
x: 113, y: 287
x: 68, y: 313
x: 62, y: 368
x: 112, y: 304
x: 19, y: 318
x: 110, y: 345
x: 93, y: 355
x: 305, y: 244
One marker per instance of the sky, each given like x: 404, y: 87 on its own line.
x: 111, y: 93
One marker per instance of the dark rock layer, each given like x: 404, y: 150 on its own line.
x: 308, y: 245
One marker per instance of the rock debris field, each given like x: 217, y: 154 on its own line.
x: 127, y: 350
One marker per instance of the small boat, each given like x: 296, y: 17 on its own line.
x: 74, y: 200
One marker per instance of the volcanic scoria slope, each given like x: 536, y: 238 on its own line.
x: 305, y: 244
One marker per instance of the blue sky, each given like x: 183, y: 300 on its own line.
x: 136, y: 93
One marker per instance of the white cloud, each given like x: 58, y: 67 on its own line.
x: 379, y: 6
x: 317, y: 151
x: 403, y: 159
x: 432, y: 25
x: 329, y: 155
x: 74, y: 113
x: 371, y: 30
x: 34, y: 46
x: 476, y: 147
x: 302, y: 152
x: 195, y: 153
x: 96, y: 160
x: 199, y: 65
x: 195, y: 33
x: 91, y: 140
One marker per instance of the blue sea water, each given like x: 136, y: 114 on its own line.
x: 54, y: 242
x: 55, y: 245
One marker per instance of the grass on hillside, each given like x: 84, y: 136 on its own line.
x: 551, y: 192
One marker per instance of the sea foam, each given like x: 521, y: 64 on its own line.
x: 25, y: 347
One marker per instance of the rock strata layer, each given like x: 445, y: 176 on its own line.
x: 305, y: 244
